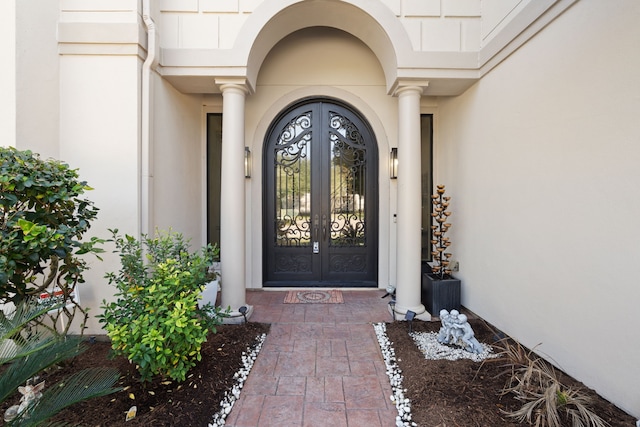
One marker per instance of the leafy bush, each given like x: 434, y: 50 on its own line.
x: 42, y: 221
x: 155, y: 321
x: 28, y: 353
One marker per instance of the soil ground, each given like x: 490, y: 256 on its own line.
x: 442, y: 393
x: 160, y: 403
x: 466, y: 393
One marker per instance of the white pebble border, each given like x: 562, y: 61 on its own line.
x: 403, y: 405
x: 248, y: 358
x: 428, y: 344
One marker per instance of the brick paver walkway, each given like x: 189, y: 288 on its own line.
x: 319, y: 366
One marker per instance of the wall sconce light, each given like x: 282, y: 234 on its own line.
x: 393, y: 163
x: 247, y: 162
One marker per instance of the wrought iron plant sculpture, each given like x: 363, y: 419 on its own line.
x: 441, y: 259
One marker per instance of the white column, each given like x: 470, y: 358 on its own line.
x: 409, y: 225
x: 232, y: 201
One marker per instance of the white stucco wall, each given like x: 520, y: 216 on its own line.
x: 99, y: 134
x: 541, y: 158
x: 179, y: 198
x: 8, y: 73
x: 100, y: 47
x: 37, y: 72
x: 496, y: 14
x: 432, y: 25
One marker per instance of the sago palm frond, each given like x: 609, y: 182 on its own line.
x: 15, y: 342
x: 83, y: 385
x: 23, y: 368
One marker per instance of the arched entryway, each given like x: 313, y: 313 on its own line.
x: 320, y: 197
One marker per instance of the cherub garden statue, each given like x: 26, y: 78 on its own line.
x: 471, y: 344
x: 30, y: 393
x: 456, y: 330
x: 448, y: 334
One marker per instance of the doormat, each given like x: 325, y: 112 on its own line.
x: 314, y: 297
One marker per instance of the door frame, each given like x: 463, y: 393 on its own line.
x: 267, y: 111
x: 372, y: 195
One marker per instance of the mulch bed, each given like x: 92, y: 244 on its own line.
x: 190, y: 403
x: 466, y: 393
x: 442, y: 393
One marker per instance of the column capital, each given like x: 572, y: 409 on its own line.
x: 238, y: 83
x: 403, y: 86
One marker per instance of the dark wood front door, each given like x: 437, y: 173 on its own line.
x: 321, y: 203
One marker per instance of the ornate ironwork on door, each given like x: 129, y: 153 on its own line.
x: 320, y: 198
x: 293, y: 183
x: 348, y: 181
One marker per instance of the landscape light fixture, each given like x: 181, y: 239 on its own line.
x: 391, y: 291
x: 243, y: 311
x: 247, y: 162
x: 393, y: 163
x: 392, y: 305
x: 410, y: 315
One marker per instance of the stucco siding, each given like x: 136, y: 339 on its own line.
x: 8, y: 73
x: 496, y: 13
x: 541, y: 159
x: 178, y: 162
x: 216, y: 24
x: 37, y: 77
x: 99, y: 135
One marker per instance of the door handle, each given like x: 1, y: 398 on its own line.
x: 316, y: 224
x: 324, y: 227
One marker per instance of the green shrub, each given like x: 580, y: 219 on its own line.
x: 42, y: 220
x: 155, y: 321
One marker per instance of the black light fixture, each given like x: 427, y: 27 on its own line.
x: 393, y: 163
x: 392, y: 305
x: 243, y: 311
x: 409, y: 316
x: 247, y: 162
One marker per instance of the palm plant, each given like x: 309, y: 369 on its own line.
x: 29, y: 352
x: 546, y: 401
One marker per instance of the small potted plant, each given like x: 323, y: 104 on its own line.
x: 211, y: 293
x: 439, y: 289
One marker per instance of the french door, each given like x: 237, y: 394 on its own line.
x: 320, y: 219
